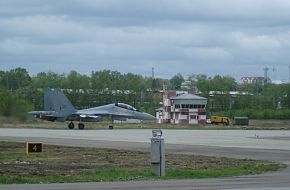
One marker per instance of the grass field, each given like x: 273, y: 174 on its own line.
x: 59, y: 164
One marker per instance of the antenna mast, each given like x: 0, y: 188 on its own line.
x: 289, y: 72
x: 266, y: 69
x: 154, y: 84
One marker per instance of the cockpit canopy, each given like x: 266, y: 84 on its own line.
x: 125, y: 106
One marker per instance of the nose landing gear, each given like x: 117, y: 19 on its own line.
x: 71, y: 125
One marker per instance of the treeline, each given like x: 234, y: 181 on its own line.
x: 258, y: 100
x: 101, y: 87
x: 259, y: 114
x: 20, y: 92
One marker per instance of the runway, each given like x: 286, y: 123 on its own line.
x: 266, y: 145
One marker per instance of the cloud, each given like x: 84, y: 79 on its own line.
x: 205, y: 36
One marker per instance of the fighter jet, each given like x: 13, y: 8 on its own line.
x: 57, y: 107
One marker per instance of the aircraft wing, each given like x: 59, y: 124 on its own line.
x: 39, y: 113
x: 103, y: 111
x: 47, y: 115
x: 118, y: 111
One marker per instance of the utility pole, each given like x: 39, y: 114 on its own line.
x: 153, y: 81
x: 266, y: 69
x: 289, y: 73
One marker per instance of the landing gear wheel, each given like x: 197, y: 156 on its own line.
x: 81, y: 126
x: 71, y: 125
x: 111, y: 126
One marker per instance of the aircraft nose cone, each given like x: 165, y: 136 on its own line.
x: 147, y: 116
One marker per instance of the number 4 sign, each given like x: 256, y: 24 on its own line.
x: 32, y: 147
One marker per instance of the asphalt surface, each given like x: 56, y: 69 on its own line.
x: 265, y: 145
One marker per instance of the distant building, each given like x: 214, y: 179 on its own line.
x: 182, y: 109
x: 186, y: 85
x: 231, y: 93
x: 252, y: 80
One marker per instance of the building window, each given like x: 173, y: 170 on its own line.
x: 187, y: 106
x: 193, y: 117
x: 195, y: 106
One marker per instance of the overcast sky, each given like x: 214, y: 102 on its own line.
x: 226, y: 37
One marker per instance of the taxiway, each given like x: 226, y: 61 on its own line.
x: 254, y: 144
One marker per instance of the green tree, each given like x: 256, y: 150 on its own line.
x: 6, y: 102
x: 175, y: 81
x: 15, y: 78
x: 285, y: 95
x: 203, y: 84
x: 223, y: 84
x: 101, y: 79
x: 13, y: 105
x: 74, y: 81
x: 49, y: 80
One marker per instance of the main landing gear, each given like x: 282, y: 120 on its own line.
x: 71, y: 125
x: 111, y: 125
x: 81, y: 126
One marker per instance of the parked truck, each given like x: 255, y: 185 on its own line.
x: 219, y: 120
x: 241, y: 121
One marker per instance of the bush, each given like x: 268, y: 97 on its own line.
x: 13, y: 105
x: 257, y: 114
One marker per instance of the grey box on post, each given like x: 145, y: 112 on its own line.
x: 157, y: 153
x: 155, y: 150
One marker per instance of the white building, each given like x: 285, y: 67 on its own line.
x: 182, y: 109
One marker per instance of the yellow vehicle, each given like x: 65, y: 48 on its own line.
x: 219, y: 120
